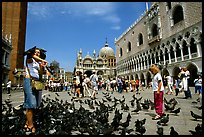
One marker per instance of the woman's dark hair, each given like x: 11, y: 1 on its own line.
x: 31, y: 51
x: 42, y: 54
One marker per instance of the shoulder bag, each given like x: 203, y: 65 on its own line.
x: 37, y: 85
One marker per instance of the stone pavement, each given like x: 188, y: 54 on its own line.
x: 183, y: 122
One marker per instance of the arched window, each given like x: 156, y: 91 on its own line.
x: 161, y: 56
x: 172, y: 53
x: 153, y: 61
x: 178, y: 14
x: 121, y: 52
x: 149, y: 60
x: 185, y: 48
x: 140, y: 39
x: 193, y: 46
x: 157, y: 57
x: 178, y: 50
x: 129, y: 46
x: 166, y: 54
x: 154, y: 30
x: 146, y: 61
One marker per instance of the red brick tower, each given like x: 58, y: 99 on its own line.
x: 14, y: 15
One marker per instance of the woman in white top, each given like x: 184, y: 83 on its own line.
x: 85, y: 83
x: 184, y: 75
x: 77, y: 84
x: 35, y: 67
x: 158, y: 90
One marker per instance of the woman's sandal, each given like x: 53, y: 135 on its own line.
x: 26, y: 129
x: 31, y: 129
x: 156, y: 117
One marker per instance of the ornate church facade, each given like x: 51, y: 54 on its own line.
x: 104, y: 64
x: 168, y: 33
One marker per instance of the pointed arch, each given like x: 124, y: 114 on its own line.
x: 178, y: 14
x: 129, y: 46
x: 154, y: 30
x: 140, y: 39
x: 121, y: 52
x: 193, y: 47
x: 185, y: 48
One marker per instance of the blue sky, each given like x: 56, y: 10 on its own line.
x: 62, y: 28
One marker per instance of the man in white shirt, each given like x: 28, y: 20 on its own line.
x: 169, y: 84
x: 94, y: 84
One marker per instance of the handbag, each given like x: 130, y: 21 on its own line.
x: 37, y: 85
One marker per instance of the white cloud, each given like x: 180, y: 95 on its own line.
x: 90, y: 8
x: 38, y: 9
x: 105, y: 11
x: 115, y: 27
x: 112, y: 18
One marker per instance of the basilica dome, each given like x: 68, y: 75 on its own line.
x: 87, y: 56
x: 106, y: 51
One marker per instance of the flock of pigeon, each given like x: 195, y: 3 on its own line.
x: 92, y: 117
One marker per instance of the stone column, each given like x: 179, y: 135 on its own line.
x: 148, y: 61
x: 136, y: 64
x: 181, y: 48
x: 145, y: 63
x: 174, y: 49
x: 133, y: 65
x: 164, y: 58
x: 155, y: 61
x: 189, y: 51
x: 169, y: 56
x: 141, y: 68
x: 159, y: 57
x: 198, y: 46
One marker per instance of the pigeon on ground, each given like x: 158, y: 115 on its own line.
x: 126, y: 131
x: 196, y: 116
x: 140, y: 128
x: 164, y: 120
x: 136, y: 110
x: 145, y: 104
x: 198, y: 130
x: 160, y: 130
x: 176, y: 111
x: 132, y: 103
x: 173, y: 132
x: 56, y: 93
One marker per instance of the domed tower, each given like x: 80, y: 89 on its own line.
x: 78, y: 64
x: 107, y: 53
x: 104, y: 64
